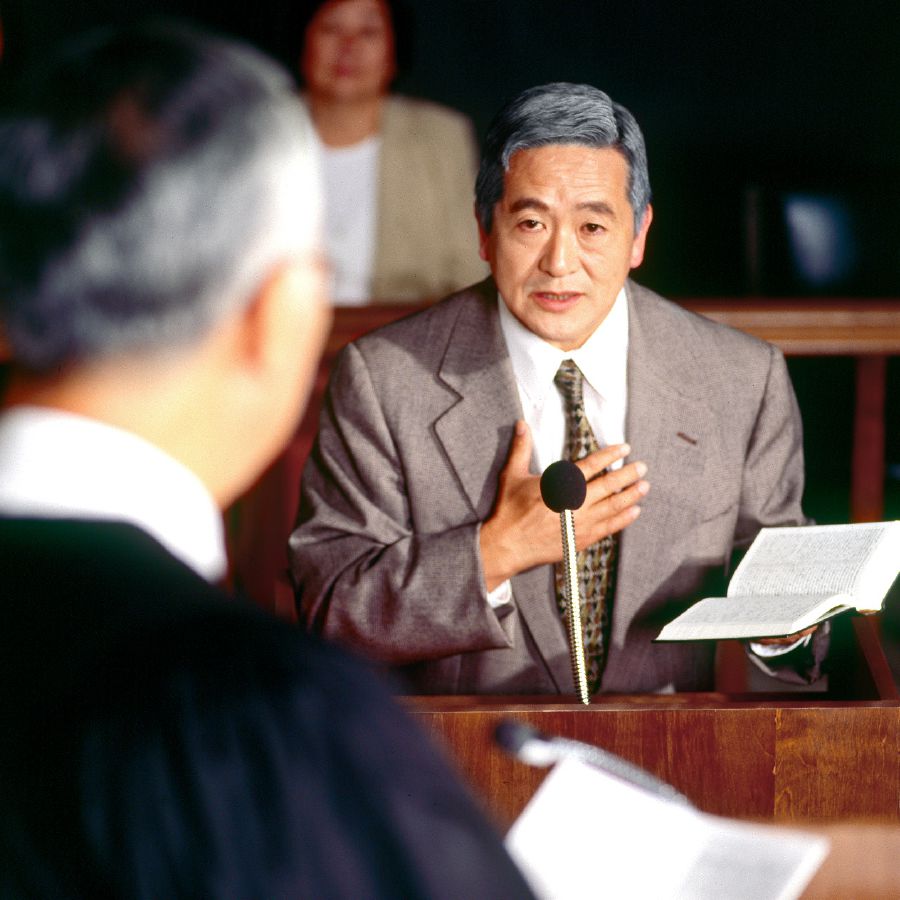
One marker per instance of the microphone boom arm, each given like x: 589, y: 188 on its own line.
x: 573, y: 603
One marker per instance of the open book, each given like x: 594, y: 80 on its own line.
x: 792, y: 578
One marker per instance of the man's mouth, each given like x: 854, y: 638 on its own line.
x: 553, y: 299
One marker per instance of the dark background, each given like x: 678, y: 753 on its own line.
x: 742, y: 104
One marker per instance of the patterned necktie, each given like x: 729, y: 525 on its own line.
x: 596, y: 564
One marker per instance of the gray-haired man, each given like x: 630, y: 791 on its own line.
x: 422, y: 538
x: 164, y: 304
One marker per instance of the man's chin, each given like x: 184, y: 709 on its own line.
x: 563, y: 336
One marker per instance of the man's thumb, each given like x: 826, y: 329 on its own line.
x: 519, y: 460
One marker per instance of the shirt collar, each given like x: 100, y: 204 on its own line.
x: 602, y: 358
x: 55, y: 464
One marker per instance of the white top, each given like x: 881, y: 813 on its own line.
x: 350, y: 176
x: 57, y: 465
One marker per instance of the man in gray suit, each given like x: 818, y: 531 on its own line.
x: 422, y: 539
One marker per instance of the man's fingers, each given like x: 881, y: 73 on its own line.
x: 612, y: 510
x: 595, y: 530
x: 615, y: 481
x: 788, y: 640
x: 594, y: 463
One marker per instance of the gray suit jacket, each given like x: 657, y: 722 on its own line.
x: 415, y: 430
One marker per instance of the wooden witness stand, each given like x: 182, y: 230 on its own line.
x: 781, y: 757
x: 829, y: 765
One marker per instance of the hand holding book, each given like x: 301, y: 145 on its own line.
x: 788, y: 639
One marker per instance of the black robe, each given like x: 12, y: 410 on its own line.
x: 161, y: 739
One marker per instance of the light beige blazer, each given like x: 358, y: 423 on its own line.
x: 426, y: 244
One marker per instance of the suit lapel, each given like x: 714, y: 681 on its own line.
x: 475, y: 433
x: 669, y: 425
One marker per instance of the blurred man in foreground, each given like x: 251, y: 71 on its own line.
x: 163, y: 302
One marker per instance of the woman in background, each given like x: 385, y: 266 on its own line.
x: 399, y: 172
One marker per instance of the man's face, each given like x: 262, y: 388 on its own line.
x: 563, y: 240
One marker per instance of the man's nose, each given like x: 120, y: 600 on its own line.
x: 560, y: 253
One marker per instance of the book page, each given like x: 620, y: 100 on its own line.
x: 823, y: 559
x: 640, y: 845
x: 724, y: 618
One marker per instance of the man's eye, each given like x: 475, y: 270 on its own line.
x: 593, y: 228
x: 530, y: 224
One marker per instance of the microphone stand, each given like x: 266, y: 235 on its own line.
x: 563, y: 489
x: 573, y: 601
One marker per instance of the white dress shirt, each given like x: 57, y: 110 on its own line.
x: 603, y: 360
x: 56, y: 465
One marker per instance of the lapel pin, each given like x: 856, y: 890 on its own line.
x: 685, y: 437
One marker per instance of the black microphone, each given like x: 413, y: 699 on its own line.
x: 563, y: 489
x: 563, y: 486
x: 531, y: 746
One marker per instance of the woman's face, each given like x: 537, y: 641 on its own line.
x: 349, y: 50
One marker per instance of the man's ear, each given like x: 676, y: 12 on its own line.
x: 285, y: 313
x: 278, y: 341
x: 640, y: 239
x: 484, y: 238
x: 258, y: 320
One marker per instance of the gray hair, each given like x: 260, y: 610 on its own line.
x: 150, y: 179
x: 561, y: 113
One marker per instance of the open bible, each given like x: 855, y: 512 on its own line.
x: 792, y: 578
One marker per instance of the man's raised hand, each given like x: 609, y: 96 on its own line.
x: 522, y: 532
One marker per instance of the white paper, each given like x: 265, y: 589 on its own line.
x: 587, y: 834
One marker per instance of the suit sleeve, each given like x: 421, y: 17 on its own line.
x: 365, y: 574
x: 771, y: 495
x: 772, y: 487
